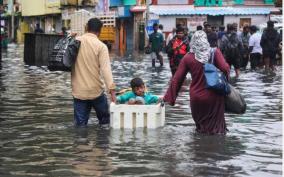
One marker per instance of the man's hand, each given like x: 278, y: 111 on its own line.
x: 131, y: 102
x: 112, y: 96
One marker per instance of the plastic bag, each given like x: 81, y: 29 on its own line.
x: 235, y: 102
x: 64, y: 54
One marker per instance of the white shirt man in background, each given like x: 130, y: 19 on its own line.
x: 255, y: 48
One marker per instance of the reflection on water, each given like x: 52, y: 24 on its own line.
x: 38, y: 138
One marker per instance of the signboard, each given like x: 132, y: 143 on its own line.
x: 150, y: 25
x: 195, y: 21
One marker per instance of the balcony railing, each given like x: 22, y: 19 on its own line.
x: 78, y: 2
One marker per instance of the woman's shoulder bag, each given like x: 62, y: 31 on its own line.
x: 215, y: 79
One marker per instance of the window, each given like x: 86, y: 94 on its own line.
x: 245, y: 21
x: 181, y: 21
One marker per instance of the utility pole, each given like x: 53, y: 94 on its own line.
x: 147, y: 12
x: 13, y: 21
x: 146, y: 22
x: 1, y: 35
x: 77, y: 5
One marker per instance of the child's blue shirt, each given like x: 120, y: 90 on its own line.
x: 148, y: 97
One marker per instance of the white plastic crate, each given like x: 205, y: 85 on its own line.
x: 136, y: 116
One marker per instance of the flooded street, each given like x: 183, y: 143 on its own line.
x: 37, y: 137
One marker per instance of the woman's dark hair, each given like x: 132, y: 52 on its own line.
x: 94, y: 25
x: 136, y: 82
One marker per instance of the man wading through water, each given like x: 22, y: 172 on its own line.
x: 92, y: 64
x: 177, y: 48
x: 156, y: 41
x: 231, y: 47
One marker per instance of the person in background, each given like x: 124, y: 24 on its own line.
x: 177, y: 48
x: 187, y: 34
x: 204, y: 25
x: 171, y: 36
x: 38, y: 29
x: 214, y: 29
x: 245, y: 40
x: 207, y: 106
x: 269, y: 42
x: 137, y: 95
x: 156, y: 41
x: 231, y: 47
x: 211, y: 36
x: 88, y: 87
x: 255, y: 49
x: 220, y: 34
x: 161, y: 30
x: 235, y: 27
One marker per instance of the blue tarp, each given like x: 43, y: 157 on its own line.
x: 164, y: 11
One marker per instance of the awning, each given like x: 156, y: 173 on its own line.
x: 138, y: 9
x: 214, y: 11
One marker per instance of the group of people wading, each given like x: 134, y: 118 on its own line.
x: 187, y: 54
x: 238, y: 48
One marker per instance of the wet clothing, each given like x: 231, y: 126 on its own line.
x: 231, y: 47
x: 245, y: 52
x: 207, y: 106
x: 254, y: 42
x: 156, y: 40
x: 212, y: 39
x: 176, y: 49
x: 148, y: 97
x: 270, y: 40
x: 255, y: 60
x: 92, y: 64
x: 220, y: 34
x: 82, y: 109
x: 256, y: 53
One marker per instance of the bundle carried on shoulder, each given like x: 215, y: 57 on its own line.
x: 64, y: 54
x: 235, y: 102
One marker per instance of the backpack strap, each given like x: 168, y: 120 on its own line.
x: 212, y: 55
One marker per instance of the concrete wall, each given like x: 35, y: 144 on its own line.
x: 169, y: 22
x: 40, y: 7
x: 255, y: 19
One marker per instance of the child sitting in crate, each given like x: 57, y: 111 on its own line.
x: 138, y: 95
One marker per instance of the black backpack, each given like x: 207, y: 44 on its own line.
x: 64, y: 54
x: 232, y: 49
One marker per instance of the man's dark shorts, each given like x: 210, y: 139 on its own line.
x: 271, y: 56
x: 82, y: 109
x: 236, y: 62
x: 255, y: 60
